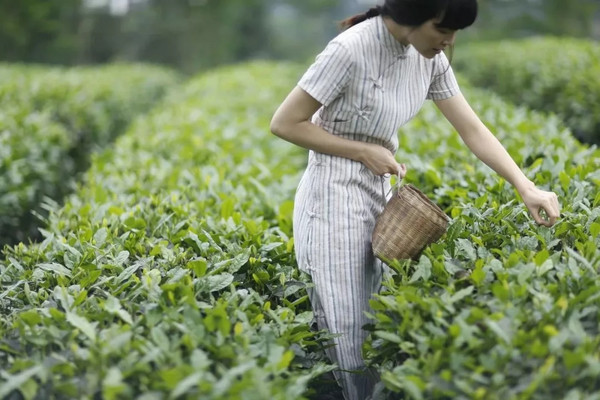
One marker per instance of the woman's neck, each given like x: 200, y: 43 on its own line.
x: 399, y: 32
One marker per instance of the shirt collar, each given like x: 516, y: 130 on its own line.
x: 387, y: 40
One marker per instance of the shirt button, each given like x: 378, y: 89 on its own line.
x: 364, y: 115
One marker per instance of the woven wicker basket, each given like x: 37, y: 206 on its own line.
x: 409, y: 222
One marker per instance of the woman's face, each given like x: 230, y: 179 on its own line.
x: 429, y: 39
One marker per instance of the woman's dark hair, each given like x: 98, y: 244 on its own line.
x: 452, y: 14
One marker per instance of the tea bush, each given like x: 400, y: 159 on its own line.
x: 170, y: 272
x: 558, y: 75
x: 33, y: 163
x: 500, y: 308
x: 51, y: 119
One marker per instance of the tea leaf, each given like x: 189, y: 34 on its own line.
x: 423, y: 270
x: 82, y: 324
x: 14, y: 382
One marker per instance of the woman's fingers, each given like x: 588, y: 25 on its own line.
x: 382, y: 162
x: 401, y: 171
x: 552, y: 209
x: 541, y: 220
x: 396, y: 169
x: 548, y: 203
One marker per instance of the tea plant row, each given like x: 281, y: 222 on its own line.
x: 51, y: 119
x: 500, y: 308
x: 170, y: 272
x: 557, y: 75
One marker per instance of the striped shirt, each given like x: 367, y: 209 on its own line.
x: 370, y: 84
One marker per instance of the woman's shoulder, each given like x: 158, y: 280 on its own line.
x: 356, y: 37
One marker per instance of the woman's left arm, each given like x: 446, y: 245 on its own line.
x: 489, y: 150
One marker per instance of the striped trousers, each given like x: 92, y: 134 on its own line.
x: 336, y: 204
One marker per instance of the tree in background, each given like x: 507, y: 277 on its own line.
x: 300, y: 29
x: 40, y: 31
x: 192, y: 35
x: 505, y: 19
x: 196, y: 34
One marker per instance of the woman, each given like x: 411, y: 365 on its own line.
x: 346, y: 109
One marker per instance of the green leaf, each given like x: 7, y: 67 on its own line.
x: 564, y: 179
x: 461, y: 294
x: 100, y: 237
x: 389, y: 336
x: 595, y: 229
x: 122, y: 257
x: 134, y: 224
x: 227, y: 207
x: 498, y: 330
x: 414, y: 386
x: 31, y: 317
x: 198, y: 266
x: 186, y: 385
x: 501, y: 290
x: 238, y: 261
x: 218, y: 282
x: 161, y: 339
x: 55, y: 268
x: 545, y: 267
x: 478, y: 275
x: 541, y: 257
x: 14, y: 382
x: 466, y: 248
x: 113, y: 306
x: 423, y: 270
x: 82, y: 324
x: 112, y: 384
x: 286, y: 360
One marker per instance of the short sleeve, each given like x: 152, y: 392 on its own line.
x: 328, y: 76
x: 443, y: 83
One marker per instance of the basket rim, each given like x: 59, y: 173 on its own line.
x: 425, y: 199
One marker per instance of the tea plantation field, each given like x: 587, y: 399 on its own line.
x: 552, y: 74
x: 51, y: 118
x: 170, y: 272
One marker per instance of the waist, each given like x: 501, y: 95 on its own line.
x: 328, y: 170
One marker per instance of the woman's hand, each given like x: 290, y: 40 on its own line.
x: 380, y: 161
x: 537, y: 200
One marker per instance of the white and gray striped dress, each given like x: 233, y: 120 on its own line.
x: 369, y: 85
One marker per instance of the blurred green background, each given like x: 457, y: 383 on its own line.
x: 192, y: 35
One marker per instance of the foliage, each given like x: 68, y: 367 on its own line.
x: 51, y: 119
x: 500, y: 308
x: 511, y: 19
x: 34, y: 163
x: 40, y: 31
x: 559, y: 75
x: 191, y: 35
x: 195, y: 35
x: 170, y: 272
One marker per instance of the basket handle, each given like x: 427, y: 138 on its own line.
x: 396, y: 187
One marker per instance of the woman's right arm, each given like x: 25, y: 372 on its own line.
x: 291, y: 122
